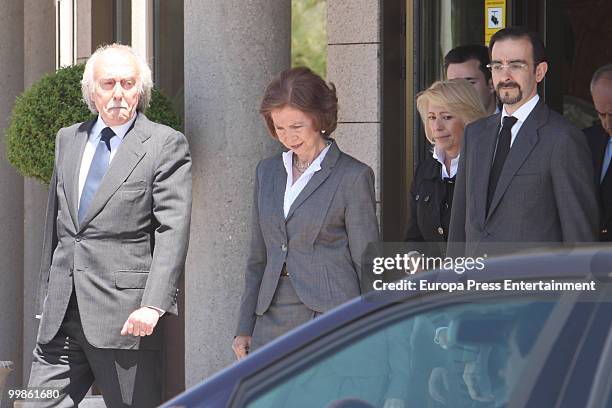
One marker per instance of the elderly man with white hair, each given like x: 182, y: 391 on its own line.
x: 599, y: 137
x: 115, y: 242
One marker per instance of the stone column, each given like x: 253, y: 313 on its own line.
x: 5, y: 369
x: 39, y: 59
x: 353, y: 65
x: 233, y: 48
x: 11, y: 193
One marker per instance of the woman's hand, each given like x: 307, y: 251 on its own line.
x: 241, y: 346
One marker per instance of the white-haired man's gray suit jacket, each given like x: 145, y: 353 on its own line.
x: 130, y: 249
x: 321, y: 240
x: 545, y: 192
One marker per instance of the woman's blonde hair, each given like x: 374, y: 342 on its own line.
x: 457, y: 96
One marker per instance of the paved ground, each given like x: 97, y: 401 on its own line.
x: 88, y: 402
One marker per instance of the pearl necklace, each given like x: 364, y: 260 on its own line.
x: 301, y: 167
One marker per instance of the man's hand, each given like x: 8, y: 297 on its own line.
x: 241, y: 346
x: 141, y: 322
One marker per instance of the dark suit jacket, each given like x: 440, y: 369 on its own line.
x: 130, y: 249
x: 598, y: 139
x: 545, y: 192
x: 321, y: 241
x: 430, y: 206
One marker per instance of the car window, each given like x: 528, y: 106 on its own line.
x: 460, y: 355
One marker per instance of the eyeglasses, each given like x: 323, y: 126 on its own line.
x: 513, y: 67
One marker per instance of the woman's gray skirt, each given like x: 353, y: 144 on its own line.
x: 285, y: 313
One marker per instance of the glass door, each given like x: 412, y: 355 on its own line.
x: 577, y: 35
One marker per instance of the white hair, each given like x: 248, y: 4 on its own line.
x: 602, y: 72
x: 145, y: 77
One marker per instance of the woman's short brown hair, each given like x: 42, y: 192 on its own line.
x: 302, y: 89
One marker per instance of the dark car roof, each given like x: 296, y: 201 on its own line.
x: 574, y: 263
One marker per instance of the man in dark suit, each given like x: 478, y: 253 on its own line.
x: 599, y: 137
x: 525, y: 174
x: 115, y: 241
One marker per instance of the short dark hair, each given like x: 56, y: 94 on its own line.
x: 516, y: 33
x: 302, y: 89
x: 464, y: 53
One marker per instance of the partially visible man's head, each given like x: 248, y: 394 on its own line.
x: 469, y: 62
x: 116, y: 83
x: 518, y: 64
x: 601, y: 91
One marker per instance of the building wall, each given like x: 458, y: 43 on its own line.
x: 353, y: 65
x: 39, y: 59
x: 11, y: 194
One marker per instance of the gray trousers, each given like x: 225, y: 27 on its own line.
x: 126, y: 378
x: 285, y: 313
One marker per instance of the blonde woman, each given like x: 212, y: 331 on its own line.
x: 446, y: 107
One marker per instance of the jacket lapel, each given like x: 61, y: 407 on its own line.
x: 524, y: 143
x: 70, y: 173
x: 129, y: 154
x: 485, y: 150
x: 280, y: 183
x: 319, y: 177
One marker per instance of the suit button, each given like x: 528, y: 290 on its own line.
x: 78, y: 239
x: 283, y: 247
x: 440, y: 230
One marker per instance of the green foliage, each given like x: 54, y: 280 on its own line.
x: 161, y: 110
x: 50, y: 104
x: 309, y: 35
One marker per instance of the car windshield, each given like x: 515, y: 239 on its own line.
x: 460, y: 355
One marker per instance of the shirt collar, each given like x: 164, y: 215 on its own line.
x: 120, y: 130
x: 523, y: 112
x: 315, y: 166
x: 439, y: 155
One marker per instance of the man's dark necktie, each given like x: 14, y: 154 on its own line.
x: 97, y: 170
x: 503, y: 148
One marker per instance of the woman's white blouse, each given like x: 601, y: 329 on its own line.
x: 292, y: 190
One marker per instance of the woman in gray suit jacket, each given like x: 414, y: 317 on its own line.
x: 314, y: 213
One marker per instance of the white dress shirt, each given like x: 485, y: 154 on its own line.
x: 439, y: 155
x: 292, y: 190
x: 90, y: 150
x: 92, y: 145
x: 521, y: 115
